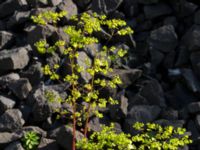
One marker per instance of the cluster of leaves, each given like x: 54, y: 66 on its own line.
x: 30, y: 140
x: 151, y: 136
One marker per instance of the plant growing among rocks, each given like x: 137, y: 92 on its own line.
x: 30, y: 140
x: 84, y: 93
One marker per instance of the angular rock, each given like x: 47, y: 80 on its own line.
x: 194, y: 58
x: 13, y: 59
x: 119, y: 111
x: 174, y: 123
x: 128, y: 76
x: 105, y: 6
x: 191, y: 127
x: 153, y: 93
x: 54, y: 2
x: 7, y: 137
x: 8, y: 7
x: 47, y: 144
x: 36, y: 3
x: 5, y: 80
x: 34, y: 73
x: 164, y: 39
x: 171, y: 21
x: 70, y: 7
x: 43, y: 107
x: 157, y: 10
x: 35, y: 129
x: 170, y: 114
x: 21, y: 88
x: 6, y: 39
x: 18, y: 18
x: 14, y: 146
x: 183, y: 56
x: 191, y: 80
x: 65, y: 136
x: 5, y: 103
x: 82, y: 4
x: 191, y: 38
x: 11, y: 120
x: 131, y: 8
x: 140, y: 113
x: 197, y: 121
x: 194, y: 107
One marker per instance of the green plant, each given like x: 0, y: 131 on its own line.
x: 30, y: 140
x: 151, y: 136
x: 82, y: 34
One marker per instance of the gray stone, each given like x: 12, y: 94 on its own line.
x: 186, y: 8
x: 47, y: 144
x: 6, y: 39
x: 157, y: 10
x: 194, y: 107
x: 153, y: 93
x: 191, y: 80
x: 164, y: 39
x: 6, y: 79
x: 7, y: 137
x: 170, y: 114
x: 5, y: 103
x: 65, y: 136
x: 174, y: 123
x: 18, y: 18
x: 21, y: 88
x: 70, y: 7
x: 13, y: 59
x: 105, y: 6
x: 14, y: 146
x: 54, y: 2
x: 197, y: 121
x: 197, y: 17
x: 34, y: 129
x: 191, y: 127
x: 82, y: 4
x: 42, y: 107
x: 194, y: 58
x: 191, y: 38
x: 11, y: 120
x: 8, y: 7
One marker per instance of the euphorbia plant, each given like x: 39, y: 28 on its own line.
x: 82, y: 34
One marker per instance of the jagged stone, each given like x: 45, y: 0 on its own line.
x: 5, y: 103
x: 6, y: 39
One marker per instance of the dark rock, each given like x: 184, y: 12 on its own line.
x: 42, y: 107
x: 131, y: 8
x: 65, y: 136
x: 194, y: 58
x: 82, y: 4
x: 136, y: 99
x: 105, y: 6
x: 47, y: 144
x: 169, y: 114
x: 119, y: 111
x: 191, y: 80
x: 95, y: 123
x: 191, y: 126
x: 6, y: 39
x: 36, y: 3
x: 18, y: 18
x: 169, y: 60
x: 148, y: 1
x: 179, y: 97
x: 194, y: 107
x: 164, y: 39
x: 157, y: 10
x: 174, y: 123
x: 35, y: 33
x: 21, y: 88
x: 34, y: 73
x: 11, y: 120
x: 70, y: 7
x: 8, y: 7
x: 140, y: 113
x: 14, y: 146
x: 171, y: 21
x: 92, y: 49
x: 128, y: 76
x: 156, y: 58
x: 183, y: 56
x: 197, y: 121
x: 26, y: 111
x: 5, y: 103
x: 197, y: 17
x: 5, y: 80
x: 153, y: 93
x: 13, y: 59
x: 191, y: 38
x: 7, y: 137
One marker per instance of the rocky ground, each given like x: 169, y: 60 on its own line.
x: 161, y: 76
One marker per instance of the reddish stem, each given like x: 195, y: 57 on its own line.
x: 74, y: 128
x: 87, y: 122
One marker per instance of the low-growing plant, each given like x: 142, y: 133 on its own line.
x: 82, y: 34
x: 30, y: 140
x: 151, y: 136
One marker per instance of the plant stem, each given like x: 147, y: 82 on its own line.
x: 87, y: 121
x: 74, y: 127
